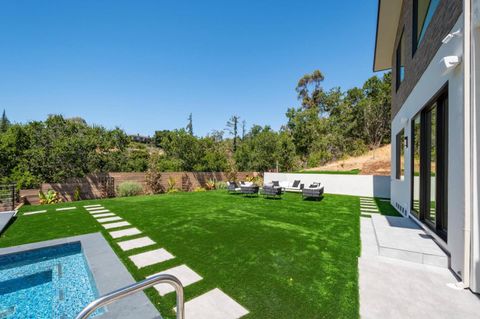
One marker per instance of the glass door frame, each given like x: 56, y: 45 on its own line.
x: 440, y: 226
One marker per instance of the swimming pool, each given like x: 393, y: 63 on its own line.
x: 50, y: 282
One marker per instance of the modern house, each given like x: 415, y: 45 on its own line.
x: 433, y: 50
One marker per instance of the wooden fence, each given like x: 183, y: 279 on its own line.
x: 103, y: 185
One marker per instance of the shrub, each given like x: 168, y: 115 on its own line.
x: 76, y: 194
x: 220, y: 185
x: 129, y: 189
x: 51, y: 197
x: 210, y: 184
x: 154, y: 181
x: 171, y: 185
x: 199, y: 189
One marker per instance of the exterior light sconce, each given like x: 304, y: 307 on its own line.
x: 452, y: 35
x: 406, y: 141
x: 450, y: 62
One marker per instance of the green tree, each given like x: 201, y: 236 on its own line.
x: 232, y: 128
x: 190, y: 124
x: 4, y: 122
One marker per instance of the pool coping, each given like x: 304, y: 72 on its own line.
x: 109, y: 274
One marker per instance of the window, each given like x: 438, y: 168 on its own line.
x: 423, y: 11
x: 400, y: 65
x: 416, y: 136
x: 400, y: 155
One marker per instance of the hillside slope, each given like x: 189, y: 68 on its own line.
x: 376, y: 162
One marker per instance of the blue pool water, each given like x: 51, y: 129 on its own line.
x: 51, y: 282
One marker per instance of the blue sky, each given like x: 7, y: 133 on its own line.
x: 145, y: 65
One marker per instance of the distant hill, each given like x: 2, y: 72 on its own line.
x: 375, y: 162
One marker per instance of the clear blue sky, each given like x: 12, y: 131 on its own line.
x: 145, y: 65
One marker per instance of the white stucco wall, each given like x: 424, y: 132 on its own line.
x: 475, y: 278
x: 357, y: 185
x: 430, y: 83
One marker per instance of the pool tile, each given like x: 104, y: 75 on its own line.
x: 135, y: 243
x: 151, y: 257
x: 186, y: 276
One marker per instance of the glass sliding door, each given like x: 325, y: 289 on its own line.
x: 429, y: 165
x: 416, y: 130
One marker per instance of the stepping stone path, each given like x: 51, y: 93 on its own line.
x: 214, y: 304
x: 135, y: 243
x: 115, y: 225
x: 65, y: 208
x: 186, y: 276
x: 368, y: 206
x: 99, y: 211
x: 125, y: 232
x: 108, y: 219
x: 35, y: 212
x: 151, y: 257
x: 104, y: 215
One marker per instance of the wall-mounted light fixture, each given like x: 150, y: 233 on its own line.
x: 450, y: 62
x: 406, y: 141
x: 452, y: 35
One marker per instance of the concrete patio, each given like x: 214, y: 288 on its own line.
x: 402, y: 286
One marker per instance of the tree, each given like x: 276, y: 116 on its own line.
x: 190, y: 124
x: 244, y: 124
x: 4, y: 122
x: 232, y: 128
x: 310, y: 90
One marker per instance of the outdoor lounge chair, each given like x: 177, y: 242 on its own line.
x: 315, y: 190
x: 249, y: 190
x: 232, y: 187
x: 271, y: 191
x: 296, y: 186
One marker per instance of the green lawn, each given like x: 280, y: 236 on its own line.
x: 284, y: 258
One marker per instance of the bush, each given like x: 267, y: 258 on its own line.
x: 220, y: 185
x: 76, y: 194
x: 153, y: 178
x: 129, y: 189
x: 199, y: 189
x: 210, y: 184
x: 171, y: 185
x: 51, y: 197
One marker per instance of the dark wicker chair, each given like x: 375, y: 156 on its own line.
x: 272, y: 192
x: 249, y: 190
x: 313, y: 191
x: 233, y: 188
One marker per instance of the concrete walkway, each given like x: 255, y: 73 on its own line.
x: 393, y: 288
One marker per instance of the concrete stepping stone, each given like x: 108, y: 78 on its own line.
x: 125, y: 232
x: 91, y: 206
x: 115, y: 225
x: 103, y: 210
x: 186, y: 276
x: 375, y: 210
x: 369, y: 206
x: 109, y: 219
x: 367, y: 213
x: 104, y: 215
x: 151, y: 258
x: 65, y: 208
x: 135, y: 243
x: 35, y: 212
x: 214, y: 304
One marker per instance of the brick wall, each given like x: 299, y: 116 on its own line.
x: 92, y: 186
x: 444, y: 19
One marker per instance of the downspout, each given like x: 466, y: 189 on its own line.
x: 467, y: 12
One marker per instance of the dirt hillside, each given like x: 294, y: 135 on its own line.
x: 376, y: 162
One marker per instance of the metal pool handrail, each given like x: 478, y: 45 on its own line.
x: 136, y: 287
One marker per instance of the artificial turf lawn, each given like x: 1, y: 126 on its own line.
x: 285, y: 258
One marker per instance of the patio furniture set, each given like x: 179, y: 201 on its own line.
x: 275, y: 189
